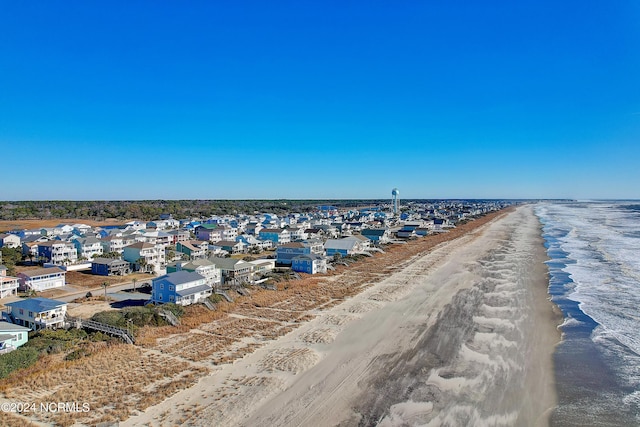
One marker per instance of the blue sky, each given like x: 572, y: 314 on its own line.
x: 319, y: 99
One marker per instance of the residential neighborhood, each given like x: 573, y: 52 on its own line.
x: 187, y: 260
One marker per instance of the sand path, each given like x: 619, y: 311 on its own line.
x: 461, y: 336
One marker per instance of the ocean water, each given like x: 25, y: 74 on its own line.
x: 594, y: 267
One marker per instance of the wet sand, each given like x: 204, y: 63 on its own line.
x: 461, y: 336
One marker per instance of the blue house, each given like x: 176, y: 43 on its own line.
x: 180, y: 287
x: 310, y: 264
x: 377, y: 235
x: 276, y: 235
x: 286, y: 252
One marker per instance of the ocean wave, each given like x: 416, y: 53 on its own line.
x: 570, y: 321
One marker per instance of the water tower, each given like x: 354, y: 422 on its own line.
x: 395, y: 200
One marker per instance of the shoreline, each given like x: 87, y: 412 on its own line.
x: 312, y: 374
x: 261, y: 347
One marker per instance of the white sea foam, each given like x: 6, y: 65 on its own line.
x: 570, y: 321
x: 602, y: 243
x: 407, y: 413
x: 599, y: 239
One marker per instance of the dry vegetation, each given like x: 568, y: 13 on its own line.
x: 116, y: 381
x: 28, y: 224
x: 120, y: 379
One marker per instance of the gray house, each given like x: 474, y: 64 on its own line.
x: 110, y: 267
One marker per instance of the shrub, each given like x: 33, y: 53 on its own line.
x: 113, y: 318
x: 77, y: 354
x: 48, y: 341
x: 215, y: 298
x: 22, y: 357
x: 176, y: 309
x: 137, y: 316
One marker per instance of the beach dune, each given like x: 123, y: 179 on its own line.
x: 461, y: 336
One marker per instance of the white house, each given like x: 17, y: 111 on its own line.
x: 37, y: 313
x: 204, y: 267
x: 42, y: 279
x: 112, y: 244
x: 8, y: 285
x: 88, y: 247
x: 58, y: 252
x: 145, y: 256
x: 9, y: 241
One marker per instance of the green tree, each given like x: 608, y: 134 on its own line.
x: 10, y: 257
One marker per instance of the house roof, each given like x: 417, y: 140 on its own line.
x: 309, y: 256
x: 272, y: 230
x: 227, y: 263
x: 192, y: 265
x: 292, y: 245
x: 373, y: 231
x: 6, y: 337
x: 107, y: 261
x: 193, y: 290
x: 31, y: 239
x: 188, y: 245
x: 208, y: 226
x: 227, y: 243
x: 37, y: 305
x: 11, y: 327
x: 89, y: 241
x: 54, y: 242
x: 140, y: 245
x: 345, y: 243
x: 179, y: 277
x: 41, y: 272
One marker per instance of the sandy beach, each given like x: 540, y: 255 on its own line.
x: 461, y: 336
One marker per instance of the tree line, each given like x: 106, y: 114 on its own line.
x: 152, y: 209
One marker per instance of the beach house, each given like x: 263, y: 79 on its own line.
x: 12, y: 336
x: 88, y: 247
x: 194, y: 249
x: 8, y: 285
x: 204, y: 267
x: 58, y: 252
x: 9, y: 241
x: 145, y: 257
x: 180, y: 287
x: 310, y: 264
x: 37, y: 313
x: 276, y: 235
x: 42, y: 279
x: 110, y: 267
x: 346, y: 246
x: 234, y: 271
x: 377, y: 235
x: 286, y: 252
x: 209, y: 232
